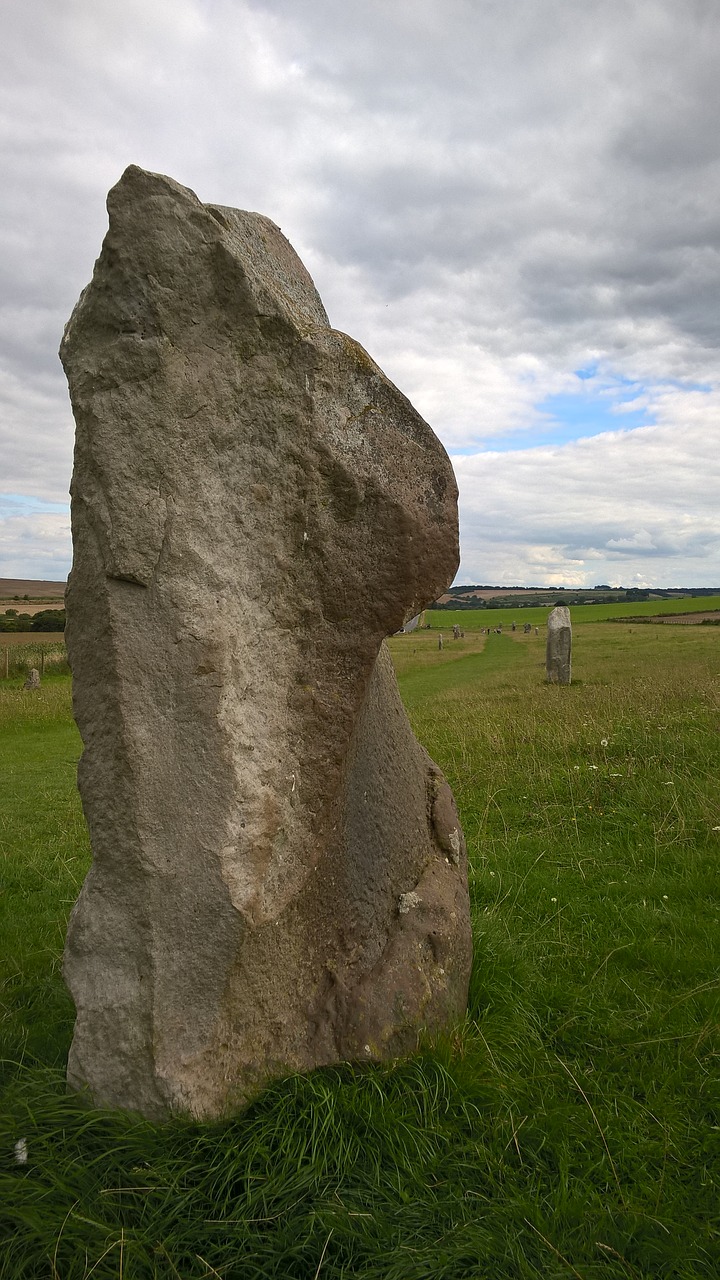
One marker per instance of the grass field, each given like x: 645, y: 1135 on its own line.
x: 571, y: 1125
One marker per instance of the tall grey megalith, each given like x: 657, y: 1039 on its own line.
x: 558, y: 651
x: 279, y: 876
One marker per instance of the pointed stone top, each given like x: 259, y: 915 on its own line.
x: 276, y: 277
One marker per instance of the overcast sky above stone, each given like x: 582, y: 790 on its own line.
x: 515, y: 207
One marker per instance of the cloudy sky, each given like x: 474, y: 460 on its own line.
x: 514, y: 205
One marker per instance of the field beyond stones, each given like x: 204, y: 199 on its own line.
x: 569, y: 1127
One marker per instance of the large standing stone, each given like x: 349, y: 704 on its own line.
x: 278, y: 875
x: 558, y: 650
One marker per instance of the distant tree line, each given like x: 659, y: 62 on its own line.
x: 529, y: 601
x: 44, y: 620
x: 529, y: 597
x: 579, y: 591
x: 461, y: 603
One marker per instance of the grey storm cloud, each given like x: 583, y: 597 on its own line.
x: 490, y: 196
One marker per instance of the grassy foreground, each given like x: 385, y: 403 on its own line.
x: 570, y: 1127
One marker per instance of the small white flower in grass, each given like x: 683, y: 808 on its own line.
x: 665, y: 897
x: 21, y: 1151
x: 603, y: 742
x: 716, y: 828
x: 594, y: 766
x: 576, y: 767
x: 616, y: 775
x: 553, y: 899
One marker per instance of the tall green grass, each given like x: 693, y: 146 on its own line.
x: 569, y: 1127
x: 19, y: 653
x: 44, y: 856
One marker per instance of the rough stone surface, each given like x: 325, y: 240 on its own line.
x: 33, y: 680
x: 278, y: 875
x: 558, y: 650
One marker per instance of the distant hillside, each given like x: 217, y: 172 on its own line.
x: 18, y: 588
x: 493, y: 597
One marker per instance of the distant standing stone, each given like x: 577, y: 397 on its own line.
x: 33, y: 680
x: 440, y: 642
x: 456, y: 632
x: 559, y: 646
x: 526, y: 629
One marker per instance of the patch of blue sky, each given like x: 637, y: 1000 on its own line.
x: 19, y: 504
x: 614, y: 384
x: 560, y: 419
x: 602, y: 403
x: 577, y: 415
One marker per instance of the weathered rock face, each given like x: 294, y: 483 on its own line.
x: 278, y: 874
x: 558, y: 650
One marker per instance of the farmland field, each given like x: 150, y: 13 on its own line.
x: 570, y: 1126
x: 31, y: 607
x: 473, y: 619
x: 13, y: 590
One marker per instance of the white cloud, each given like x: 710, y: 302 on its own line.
x: 35, y: 545
x: 36, y: 435
x: 621, y: 505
